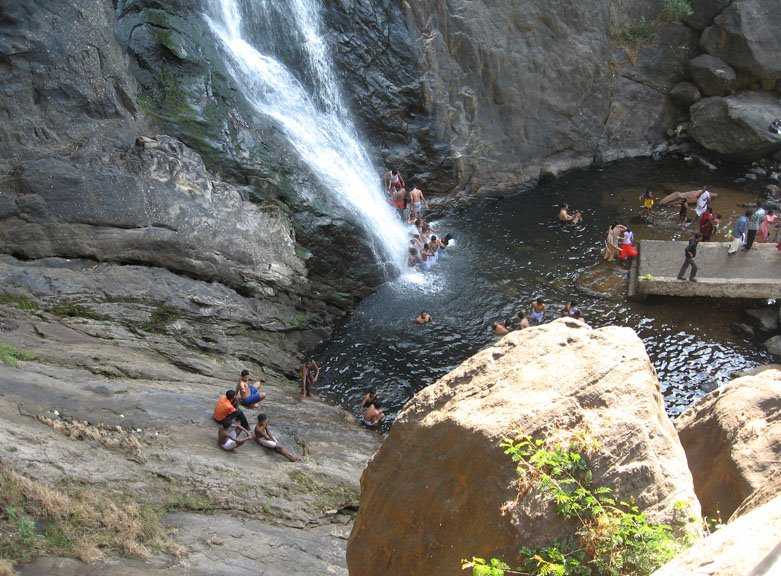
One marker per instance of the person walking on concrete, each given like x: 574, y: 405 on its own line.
x: 690, y: 254
x: 753, y: 226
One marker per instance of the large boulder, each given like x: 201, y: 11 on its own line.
x: 747, y: 546
x: 704, y: 11
x: 746, y: 36
x: 441, y: 489
x: 773, y: 345
x: 737, y: 125
x: 714, y: 76
x: 685, y: 94
x: 732, y: 439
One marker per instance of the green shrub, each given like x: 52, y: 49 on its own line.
x: 10, y: 356
x: 611, y: 538
x: 676, y: 10
x: 160, y: 318
x: 73, y: 310
x: 19, y: 301
x: 635, y: 34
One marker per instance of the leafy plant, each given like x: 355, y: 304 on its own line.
x: 73, y: 310
x: 633, y: 35
x: 611, y: 538
x: 10, y: 356
x: 160, y: 318
x: 675, y: 10
x: 19, y: 301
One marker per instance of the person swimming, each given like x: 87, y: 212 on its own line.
x: 500, y: 328
x: 423, y: 318
x: 537, y: 314
x: 372, y: 414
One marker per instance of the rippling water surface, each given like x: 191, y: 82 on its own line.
x: 511, y: 250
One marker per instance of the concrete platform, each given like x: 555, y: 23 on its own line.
x: 752, y: 274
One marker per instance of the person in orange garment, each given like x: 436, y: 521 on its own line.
x: 226, y: 410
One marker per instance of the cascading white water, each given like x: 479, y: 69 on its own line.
x: 324, y: 136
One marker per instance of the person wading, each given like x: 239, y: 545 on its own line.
x: 689, y: 255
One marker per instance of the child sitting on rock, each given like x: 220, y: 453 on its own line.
x: 265, y: 438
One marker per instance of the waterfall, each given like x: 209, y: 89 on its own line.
x: 314, y: 120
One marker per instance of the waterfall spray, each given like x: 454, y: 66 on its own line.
x: 324, y: 136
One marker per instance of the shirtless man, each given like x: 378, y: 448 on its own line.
x: 393, y: 181
x: 265, y: 438
x: 399, y: 201
x: 500, y: 328
x: 522, y: 321
x: 230, y: 436
x: 310, y: 372
x: 418, y: 199
x: 372, y: 414
x: 566, y: 218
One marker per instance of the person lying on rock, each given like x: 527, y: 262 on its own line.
x: 249, y: 396
x: 310, y: 372
x: 423, y: 318
x: 231, y: 436
x: 372, y: 414
x: 265, y: 438
x: 227, y: 409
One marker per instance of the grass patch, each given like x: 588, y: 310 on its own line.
x: 82, y: 522
x: 676, y: 10
x: 10, y: 356
x: 19, y: 301
x: 161, y: 317
x: 634, y: 35
x: 73, y: 310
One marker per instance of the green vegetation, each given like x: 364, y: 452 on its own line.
x: 85, y: 523
x: 676, y: 10
x: 160, y: 318
x: 73, y: 310
x: 19, y: 301
x: 611, y: 538
x: 636, y: 34
x: 10, y: 356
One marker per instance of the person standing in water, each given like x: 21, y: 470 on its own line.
x: 690, y: 253
x: 537, y: 314
x: 683, y: 212
x: 418, y: 199
x: 310, y: 372
x: 648, y: 200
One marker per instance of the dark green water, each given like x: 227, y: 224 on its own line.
x: 511, y: 250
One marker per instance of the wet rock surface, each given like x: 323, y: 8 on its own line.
x: 443, y: 455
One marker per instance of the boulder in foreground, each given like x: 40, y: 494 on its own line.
x: 440, y: 488
x: 732, y: 439
x: 747, y: 546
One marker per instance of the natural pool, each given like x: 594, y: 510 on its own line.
x: 512, y: 249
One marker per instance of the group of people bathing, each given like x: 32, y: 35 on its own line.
x: 535, y: 317
x: 424, y: 246
x: 234, y: 430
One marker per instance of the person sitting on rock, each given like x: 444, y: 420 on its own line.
x: 249, y: 395
x: 231, y: 436
x: 373, y: 414
x: 537, y: 314
x: 227, y: 409
x: 265, y: 438
x: 522, y: 322
x: 423, y: 318
x: 310, y: 372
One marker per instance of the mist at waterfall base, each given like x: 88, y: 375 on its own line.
x: 509, y: 251
x: 280, y: 62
